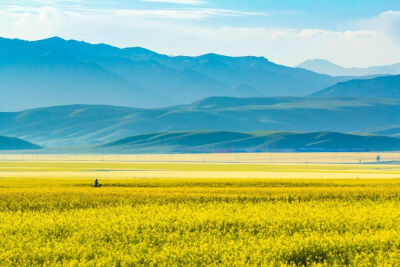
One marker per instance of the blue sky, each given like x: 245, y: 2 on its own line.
x: 347, y: 32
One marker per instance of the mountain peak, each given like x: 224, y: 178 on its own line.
x: 216, y: 56
x: 54, y: 39
x: 317, y: 61
x: 324, y: 66
x: 140, y: 51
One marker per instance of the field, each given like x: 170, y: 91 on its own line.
x: 176, y: 210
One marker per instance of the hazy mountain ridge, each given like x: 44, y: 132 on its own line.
x: 59, y: 72
x: 223, y: 141
x: 326, y: 67
x: 380, y: 87
x: 86, y: 124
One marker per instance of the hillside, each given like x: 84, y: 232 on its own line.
x: 220, y: 141
x: 79, y: 125
x: 8, y: 143
x: 381, y: 87
x: 326, y: 67
x: 58, y: 72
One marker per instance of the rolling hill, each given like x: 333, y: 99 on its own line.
x: 79, y: 125
x: 326, y: 67
x: 222, y: 141
x: 380, y: 87
x: 9, y: 143
x: 58, y: 72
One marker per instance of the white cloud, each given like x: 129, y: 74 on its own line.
x: 182, y: 2
x: 155, y: 14
x: 181, y: 31
x: 27, y: 3
x: 388, y: 22
x: 194, y: 14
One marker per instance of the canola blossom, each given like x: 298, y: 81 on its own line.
x: 196, y: 222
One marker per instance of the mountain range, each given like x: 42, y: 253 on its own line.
x: 219, y: 95
x: 59, y: 72
x: 80, y: 125
x: 223, y: 141
x: 326, y: 67
x: 380, y: 87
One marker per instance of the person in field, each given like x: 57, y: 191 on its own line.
x: 96, y: 183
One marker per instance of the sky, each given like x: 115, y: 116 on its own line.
x: 347, y: 32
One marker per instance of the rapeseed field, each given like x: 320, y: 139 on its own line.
x: 55, y: 221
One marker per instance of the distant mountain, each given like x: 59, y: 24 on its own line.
x: 221, y: 141
x: 381, y: 87
x: 8, y: 143
x: 79, y: 125
x: 326, y: 67
x: 59, y: 72
x: 392, y: 130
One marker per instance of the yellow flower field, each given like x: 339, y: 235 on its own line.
x: 59, y: 219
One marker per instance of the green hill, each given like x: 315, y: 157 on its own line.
x: 10, y: 143
x: 79, y: 125
x: 223, y: 141
x: 380, y: 87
